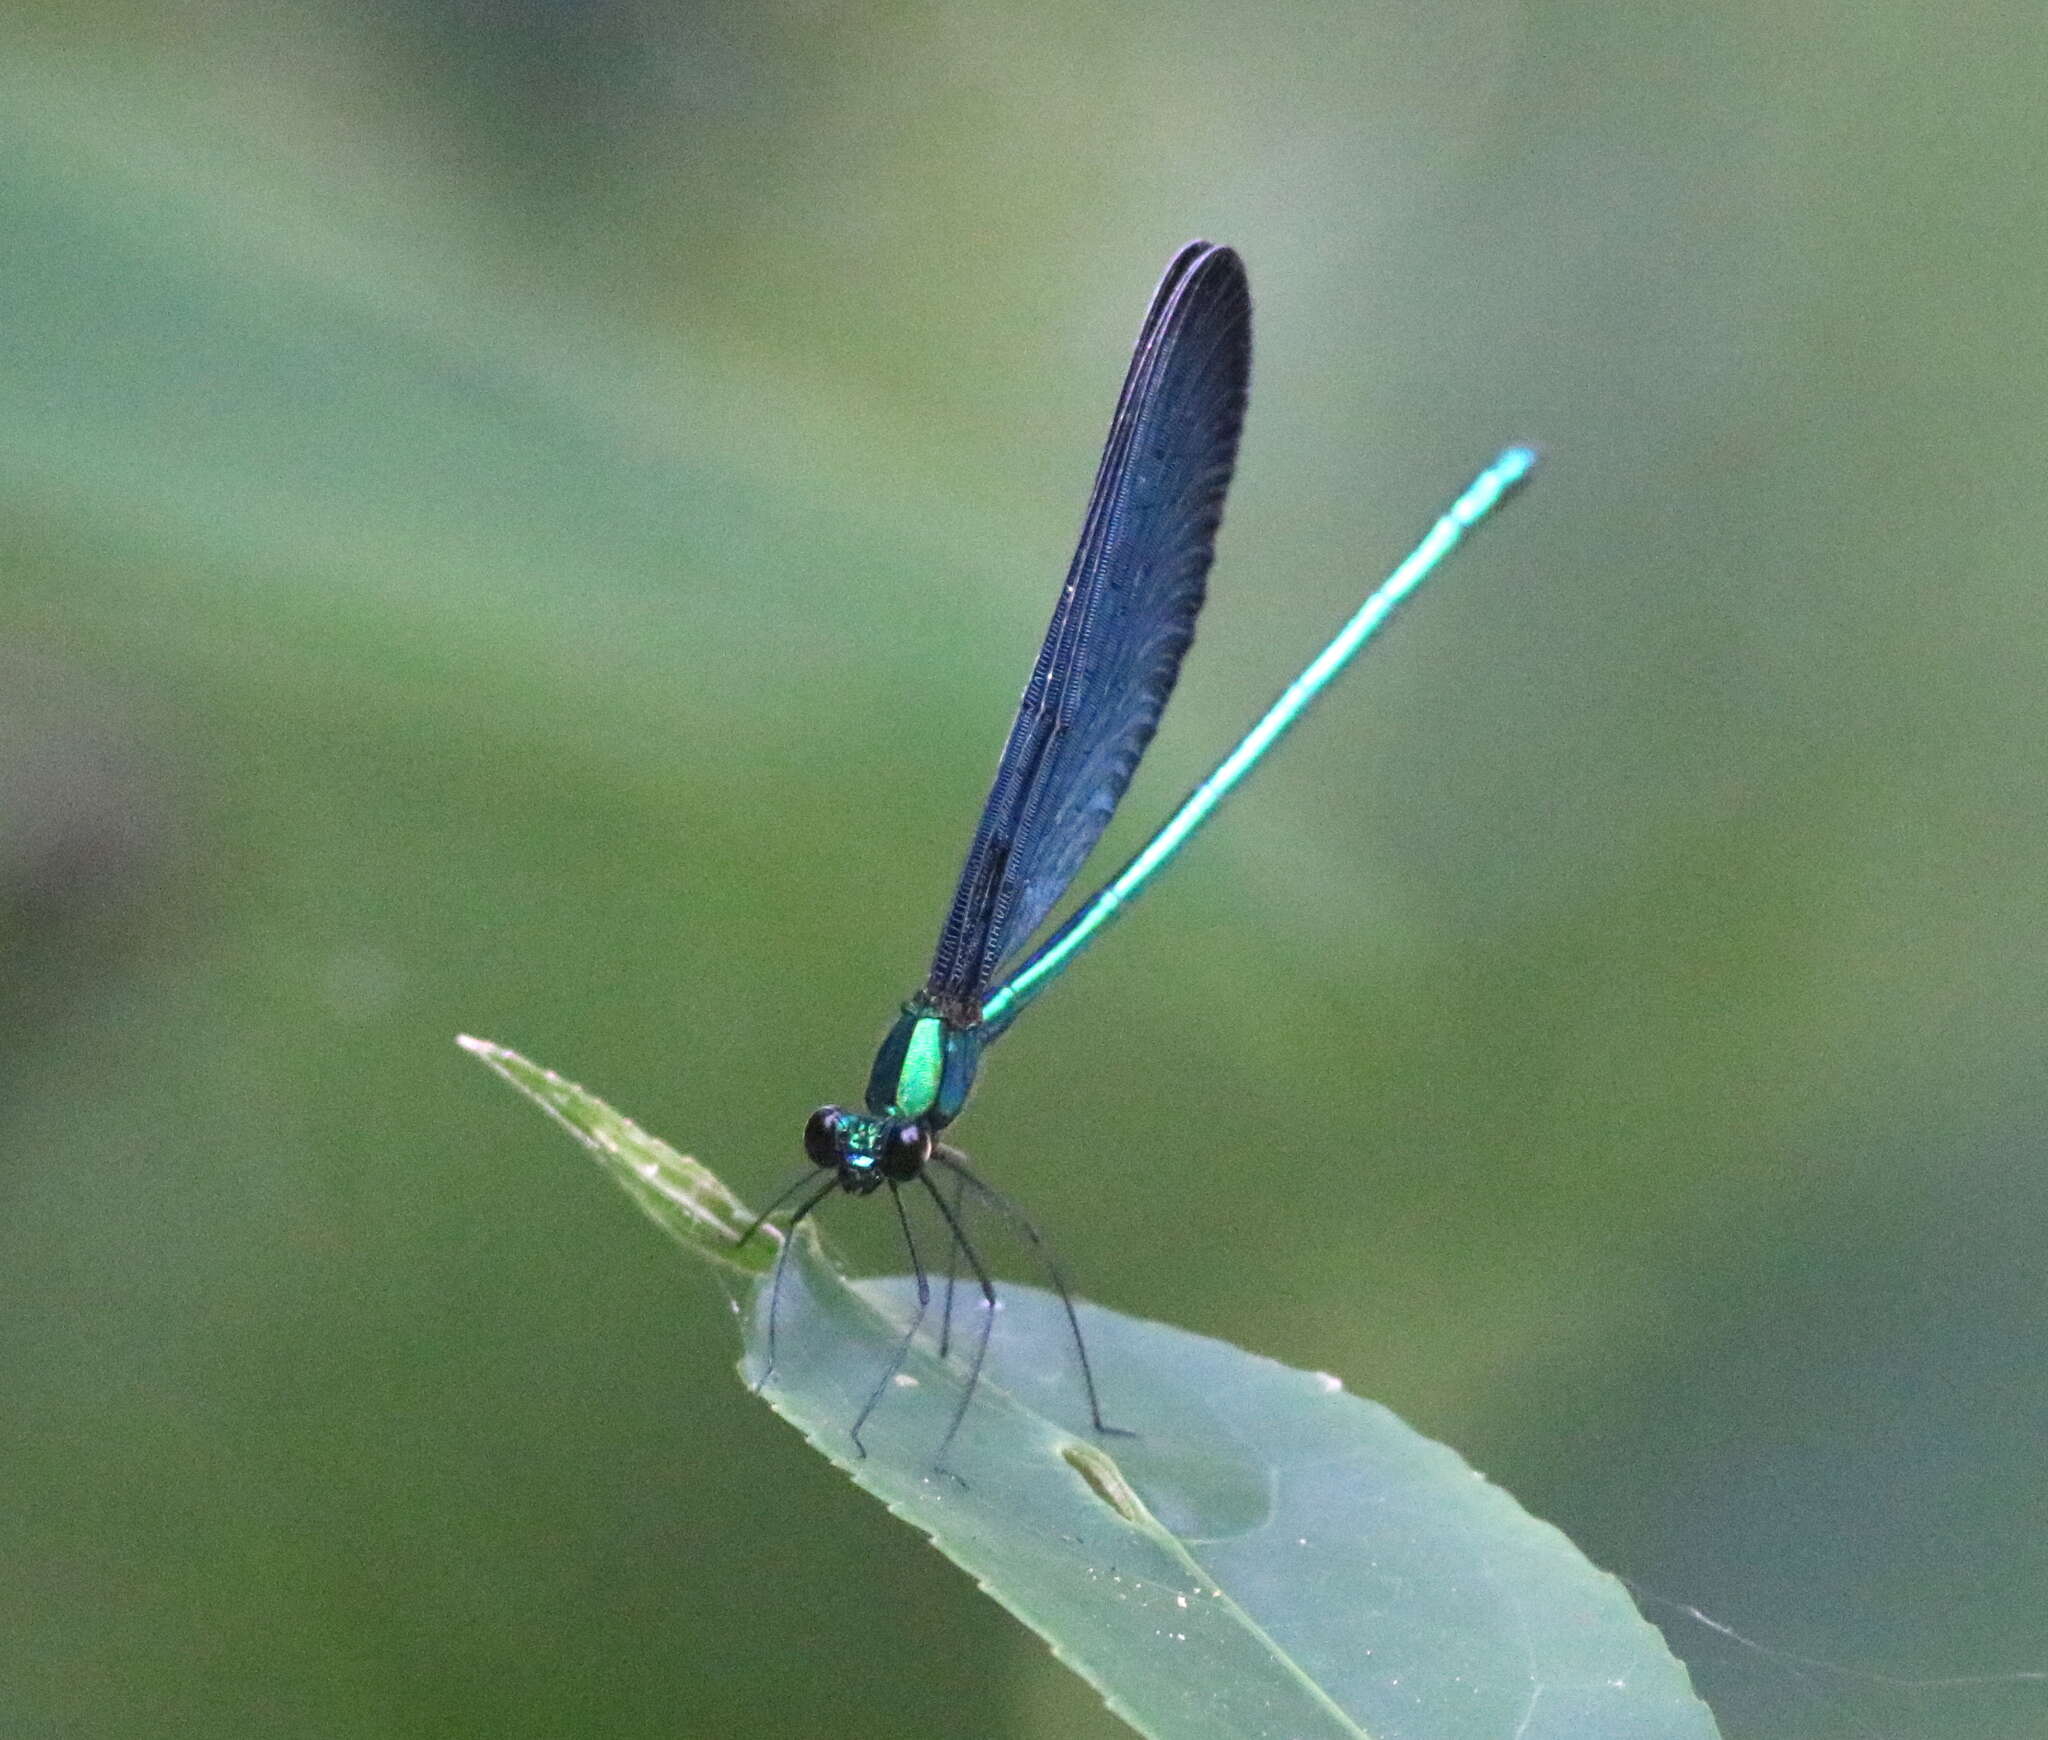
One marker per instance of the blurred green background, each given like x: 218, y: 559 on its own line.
x: 531, y: 519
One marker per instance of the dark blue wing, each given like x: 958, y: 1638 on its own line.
x: 1121, y: 626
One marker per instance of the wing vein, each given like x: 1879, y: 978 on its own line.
x: 1124, y: 621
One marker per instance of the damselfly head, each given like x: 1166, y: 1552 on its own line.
x: 864, y: 1151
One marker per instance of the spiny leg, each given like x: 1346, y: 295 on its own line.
x: 988, y: 1314
x: 952, y: 1268
x: 956, y: 1163
x: 782, y: 1262
x: 924, y: 1298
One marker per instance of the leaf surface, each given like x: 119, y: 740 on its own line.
x: 1264, y: 1557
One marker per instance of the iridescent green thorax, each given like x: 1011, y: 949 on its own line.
x: 924, y: 1069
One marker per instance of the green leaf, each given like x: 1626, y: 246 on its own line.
x: 687, y: 1201
x: 1265, y: 1558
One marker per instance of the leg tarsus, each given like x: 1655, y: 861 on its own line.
x: 988, y: 1319
x: 790, y: 1189
x: 781, y: 1263
x: 952, y: 1268
x: 924, y: 1299
x: 956, y: 1163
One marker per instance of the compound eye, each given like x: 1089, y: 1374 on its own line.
x: 821, y: 1136
x: 905, y: 1149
